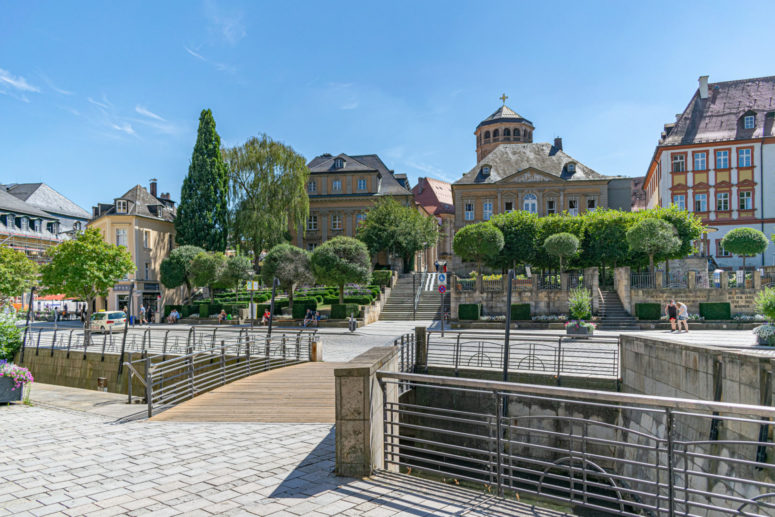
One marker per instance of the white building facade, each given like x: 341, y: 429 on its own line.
x: 718, y: 161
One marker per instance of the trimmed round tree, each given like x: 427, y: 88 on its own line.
x: 236, y: 270
x: 206, y: 269
x: 175, y: 270
x: 654, y: 237
x: 746, y: 242
x: 478, y: 242
x: 17, y: 273
x: 520, y: 231
x: 341, y: 260
x: 562, y: 245
x: 291, y: 266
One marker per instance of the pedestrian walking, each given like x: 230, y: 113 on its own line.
x: 672, y: 314
x: 142, y: 314
x: 436, y: 264
x: 683, y: 316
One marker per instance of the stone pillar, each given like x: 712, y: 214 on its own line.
x: 658, y: 279
x: 692, y: 280
x: 360, y: 437
x: 757, y: 279
x: 622, y: 286
x: 421, y: 350
x: 592, y: 282
x: 724, y: 278
x: 564, y: 281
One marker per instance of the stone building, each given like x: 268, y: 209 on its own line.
x: 435, y: 196
x: 341, y: 191
x: 70, y: 217
x: 514, y: 173
x: 718, y: 160
x: 143, y: 222
x: 27, y: 228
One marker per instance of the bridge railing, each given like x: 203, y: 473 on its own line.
x: 605, y: 452
x: 535, y: 353
x: 171, y: 381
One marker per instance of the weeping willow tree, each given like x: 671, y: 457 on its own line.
x: 267, y: 186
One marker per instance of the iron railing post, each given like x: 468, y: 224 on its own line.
x: 670, y: 462
x: 190, y: 361
x: 385, y: 432
x: 129, y: 379
x: 148, y: 386
x: 223, y: 362
x: 559, y: 359
x: 500, y: 401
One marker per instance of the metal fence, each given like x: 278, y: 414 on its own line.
x: 522, y: 284
x: 768, y: 279
x: 643, y: 281
x: 466, y: 284
x: 536, y: 353
x: 605, y: 452
x: 149, y: 340
x: 168, y: 382
x: 494, y: 285
x: 549, y: 281
x: 407, y: 344
x: 675, y: 280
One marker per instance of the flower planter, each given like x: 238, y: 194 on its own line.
x: 7, y: 391
x: 579, y: 331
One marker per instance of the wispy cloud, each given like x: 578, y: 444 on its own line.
x: 223, y: 67
x: 124, y: 127
x: 225, y: 26
x: 16, y: 82
x: 70, y: 110
x: 104, y: 104
x: 146, y: 112
x: 52, y: 86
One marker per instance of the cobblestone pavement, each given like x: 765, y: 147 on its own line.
x: 68, y: 463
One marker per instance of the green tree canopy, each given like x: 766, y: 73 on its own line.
x: 562, y: 246
x: 291, y: 265
x: 605, y: 238
x: 519, y: 229
x: 85, y: 267
x: 268, y: 192
x: 397, y: 229
x: 746, y: 242
x: 551, y: 225
x: 238, y: 268
x: 688, y: 228
x: 175, y: 270
x: 203, y: 213
x: 17, y: 273
x: 478, y: 242
x: 206, y: 269
x: 653, y: 237
x: 341, y: 260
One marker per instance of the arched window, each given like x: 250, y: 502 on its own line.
x: 495, y: 135
x: 517, y: 134
x: 506, y: 134
x: 486, y: 135
x: 530, y: 203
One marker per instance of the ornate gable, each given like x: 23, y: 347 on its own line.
x: 529, y: 175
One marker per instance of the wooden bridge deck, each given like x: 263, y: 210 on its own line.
x: 302, y: 393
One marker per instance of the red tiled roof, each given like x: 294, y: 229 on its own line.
x: 435, y: 195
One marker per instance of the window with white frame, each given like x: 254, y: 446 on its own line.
x: 748, y: 121
x: 679, y: 200
x: 312, y: 223
x: 700, y: 202
x: 312, y: 186
x: 37, y: 225
x: 336, y: 222
x: 338, y: 163
x: 551, y: 206
x: 147, y: 271
x: 25, y: 224
x: 744, y: 157
x: 721, y: 251
x: 311, y: 246
x: 77, y: 225
x: 700, y: 161
x: 745, y: 200
x: 722, y: 201
x: 573, y: 206
x: 121, y: 206
x: 336, y: 186
x: 121, y: 237
x: 530, y: 203
x: 722, y: 159
x: 147, y: 239
x: 591, y: 204
x: 361, y: 184
x: 508, y: 206
x: 679, y: 162
x: 487, y: 210
x: 469, y: 210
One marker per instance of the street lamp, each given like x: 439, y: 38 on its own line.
x: 275, y: 285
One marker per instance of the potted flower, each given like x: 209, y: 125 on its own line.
x: 579, y: 309
x: 765, y: 303
x: 13, y: 378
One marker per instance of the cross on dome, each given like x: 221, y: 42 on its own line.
x: 503, y: 98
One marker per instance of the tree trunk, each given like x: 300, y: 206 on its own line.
x: 651, y: 265
x: 290, y: 297
x: 743, y: 270
x: 341, y: 293
x: 561, y: 265
x: 87, y: 323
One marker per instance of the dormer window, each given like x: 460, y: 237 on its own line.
x: 121, y: 206
x: 749, y: 122
x: 77, y: 225
x: 485, y: 170
x: 571, y: 168
x: 338, y: 163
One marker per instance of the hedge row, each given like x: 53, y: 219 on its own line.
x: 716, y: 311
x: 520, y: 311
x: 340, y: 311
x: 469, y: 311
x: 381, y: 278
x: 648, y: 311
x: 300, y: 306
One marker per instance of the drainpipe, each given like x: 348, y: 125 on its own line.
x: 761, y: 181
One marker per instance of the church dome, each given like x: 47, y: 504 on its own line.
x: 504, y: 126
x: 504, y: 114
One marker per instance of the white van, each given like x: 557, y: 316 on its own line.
x: 108, y: 321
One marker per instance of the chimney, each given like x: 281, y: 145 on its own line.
x: 703, y: 86
x: 558, y: 143
x: 153, y: 186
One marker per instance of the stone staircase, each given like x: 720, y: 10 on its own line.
x: 612, y: 314
x: 400, y: 305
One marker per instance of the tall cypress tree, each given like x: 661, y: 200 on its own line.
x: 203, y: 216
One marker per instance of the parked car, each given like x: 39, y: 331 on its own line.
x: 108, y: 321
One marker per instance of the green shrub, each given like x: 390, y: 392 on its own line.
x: 215, y: 307
x: 381, y: 278
x: 520, y: 311
x: 580, y: 304
x: 10, y: 336
x: 468, y: 311
x: 716, y: 311
x: 204, y: 310
x: 648, y: 311
x: 330, y: 299
x: 340, y: 311
x: 360, y: 300
x: 765, y: 303
x: 300, y: 306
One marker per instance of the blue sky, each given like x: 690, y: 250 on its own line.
x: 96, y: 97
